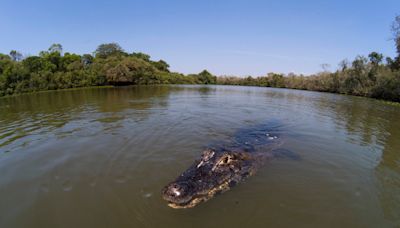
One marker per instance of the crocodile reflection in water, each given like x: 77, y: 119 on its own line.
x: 224, y: 166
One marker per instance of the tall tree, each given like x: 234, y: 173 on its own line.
x: 56, y: 48
x: 15, y: 55
x: 106, y: 50
x: 325, y: 67
x: 375, y: 58
x: 344, y: 64
x: 396, y: 33
x: 206, y: 77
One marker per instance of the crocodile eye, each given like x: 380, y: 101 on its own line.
x: 225, y: 161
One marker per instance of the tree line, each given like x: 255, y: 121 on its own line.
x: 108, y: 65
x: 371, y: 76
x: 368, y: 77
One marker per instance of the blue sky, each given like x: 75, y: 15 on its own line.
x: 228, y: 37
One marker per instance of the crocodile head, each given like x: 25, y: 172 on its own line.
x: 214, y: 173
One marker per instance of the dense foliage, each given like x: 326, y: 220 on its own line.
x: 109, y: 65
x: 363, y: 77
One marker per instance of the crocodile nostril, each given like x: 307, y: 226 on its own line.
x: 175, y: 191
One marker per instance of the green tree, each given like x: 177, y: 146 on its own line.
x: 161, y: 65
x: 375, y: 58
x: 87, y: 59
x: 131, y: 70
x: 15, y: 55
x: 36, y: 64
x: 109, y: 49
x: 142, y: 56
x: 344, y: 65
x: 276, y: 80
x: 5, y: 61
x: 54, y: 58
x: 206, y: 77
x: 56, y: 48
x: 396, y: 33
x: 395, y: 65
x: 70, y: 59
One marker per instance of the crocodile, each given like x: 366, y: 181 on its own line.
x: 224, y: 165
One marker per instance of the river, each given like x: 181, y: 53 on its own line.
x: 98, y: 157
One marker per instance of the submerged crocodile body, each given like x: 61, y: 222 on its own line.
x: 223, y: 166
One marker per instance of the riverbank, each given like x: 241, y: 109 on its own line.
x: 111, y: 65
x: 395, y: 103
x: 365, y: 79
x: 57, y: 90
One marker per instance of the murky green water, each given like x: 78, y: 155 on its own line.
x: 99, y: 158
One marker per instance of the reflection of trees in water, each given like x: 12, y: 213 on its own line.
x: 136, y: 98
x: 365, y: 118
x: 388, y: 173
x: 193, y: 89
x: 102, y: 99
x: 50, y: 102
x: 366, y: 122
x: 206, y: 90
x: 374, y: 122
x: 41, y: 113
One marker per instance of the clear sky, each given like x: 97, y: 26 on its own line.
x: 232, y: 37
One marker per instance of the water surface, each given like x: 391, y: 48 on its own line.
x: 99, y: 158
